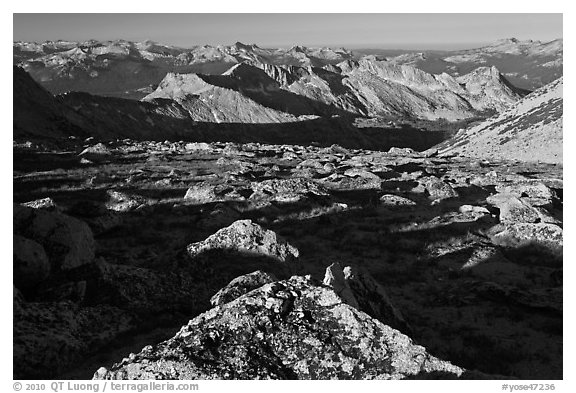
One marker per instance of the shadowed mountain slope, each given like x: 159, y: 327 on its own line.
x: 40, y: 117
x: 36, y: 112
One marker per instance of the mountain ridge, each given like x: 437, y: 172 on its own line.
x: 371, y: 88
x: 531, y: 130
x: 76, y: 66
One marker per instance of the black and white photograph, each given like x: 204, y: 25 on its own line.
x: 287, y: 196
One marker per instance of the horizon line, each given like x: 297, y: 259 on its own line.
x: 383, y: 46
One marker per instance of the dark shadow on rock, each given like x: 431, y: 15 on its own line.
x: 534, y: 254
x: 155, y: 299
x: 99, y: 117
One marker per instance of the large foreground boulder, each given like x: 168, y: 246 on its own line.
x: 246, y: 237
x: 68, y: 242
x: 292, y: 329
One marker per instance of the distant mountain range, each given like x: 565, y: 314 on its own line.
x: 124, y: 68
x: 133, y: 69
x: 526, y: 64
x: 297, y: 95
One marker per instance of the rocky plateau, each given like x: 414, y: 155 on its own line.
x: 284, y: 261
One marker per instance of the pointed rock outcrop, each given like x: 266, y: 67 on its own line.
x: 291, y: 329
x: 247, y: 237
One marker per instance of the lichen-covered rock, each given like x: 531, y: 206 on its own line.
x: 292, y: 329
x: 31, y: 265
x: 246, y: 237
x: 241, y: 285
x: 68, y: 242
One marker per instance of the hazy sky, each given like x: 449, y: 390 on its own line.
x: 352, y: 30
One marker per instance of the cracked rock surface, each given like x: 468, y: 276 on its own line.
x: 291, y: 329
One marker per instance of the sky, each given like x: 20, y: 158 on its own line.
x: 374, y: 30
